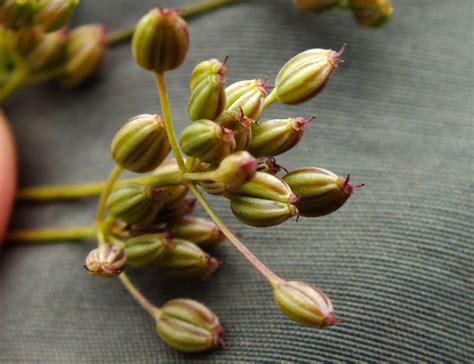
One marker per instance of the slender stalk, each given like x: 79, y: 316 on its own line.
x: 163, y: 93
x: 139, y: 297
x: 49, y: 193
x: 36, y: 235
x: 102, y: 202
x: 125, y: 34
x: 270, y: 99
x: 271, y: 277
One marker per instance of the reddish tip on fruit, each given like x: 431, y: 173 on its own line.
x: 348, y: 187
x: 335, y: 57
x: 330, y: 319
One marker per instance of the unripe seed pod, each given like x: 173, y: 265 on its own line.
x: 85, y: 50
x: 247, y: 95
x: 304, y: 304
x: 208, y: 141
x: 277, y: 136
x: 305, y: 75
x: 240, y: 125
x: 107, y: 260
x: 207, y: 88
x: 141, y: 144
x: 233, y: 171
x: 17, y: 14
x: 315, y: 5
x: 54, y: 14
x: 185, y: 260
x: 174, y: 213
x: 146, y: 249
x: 371, y: 13
x: 266, y: 186
x: 160, y: 41
x: 135, y: 203
x: 260, y: 212
x: 48, y: 51
x: 320, y: 191
x: 188, y: 326
x: 202, y: 232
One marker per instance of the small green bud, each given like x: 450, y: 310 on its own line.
x: 315, y: 5
x: 207, y: 88
x: 54, y: 14
x: 160, y: 41
x: 371, y: 13
x: 233, y: 171
x: 207, y: 140
x: 202, y: 232
x: 107, y: 260
x: 85, y: 50
x: 267, y: 186
x: 277, y: 136
x: 248, y: 96
x: 141, y: 144
x: 305, y: 75
x: 146, y: 249
x: 185, y: 260
x: 171, y: 214
x: 304, y: 304
x: 135, y: 203
x: 240, y: 125
x: 188, y: 326
x: 17, y: 14
x: 320, y: 191
x: 48, y: 51
x: 260, y: 212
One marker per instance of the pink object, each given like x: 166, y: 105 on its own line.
x: 7, y: 174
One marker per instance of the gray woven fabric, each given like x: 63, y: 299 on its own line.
x: 396, y: 260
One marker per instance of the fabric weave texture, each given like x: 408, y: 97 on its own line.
x: 396, y: 260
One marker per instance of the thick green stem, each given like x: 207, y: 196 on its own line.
x: 124, y: 35
x: 139, y: 297
x: 60, y: 192
x: 165, y: 108
x: 59, y: 234
x: 270, y: 99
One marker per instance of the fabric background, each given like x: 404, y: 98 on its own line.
x: 396, y: 260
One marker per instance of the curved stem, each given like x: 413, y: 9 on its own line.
x: 125, y: 34
x: 139, y: 297
x: 270, y: 99
x: 49, y: 193
x: 74, y: 233
x: 162, y: 91
x: 271, y: 277
x: 102, y: 202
